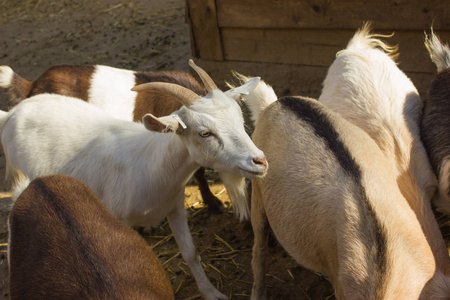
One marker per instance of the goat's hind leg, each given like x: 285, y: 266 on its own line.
x: 212, y: 202
x: 260, y: 247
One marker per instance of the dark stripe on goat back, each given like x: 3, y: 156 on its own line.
x: 100, y: 280
x: 66, y: 80
x: 314, y: 114
x: 157, y: 103
x: 319, y: 121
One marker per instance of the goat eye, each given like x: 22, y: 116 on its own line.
x: 205, y: 134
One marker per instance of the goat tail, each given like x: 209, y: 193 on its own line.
x: 6, y: 77
x: 17, y: 86
x: 439, y: 53
x: 236, y: 187
x: 258, y: 99
x: 21, y: 182
x: 364, y: 39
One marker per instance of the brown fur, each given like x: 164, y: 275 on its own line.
x: 161, y: 104
x: 67, y: 80
x: 20, y: 88
x: 66, y: 245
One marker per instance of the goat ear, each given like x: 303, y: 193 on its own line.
x: 244, y: 89
x: 163, y: 124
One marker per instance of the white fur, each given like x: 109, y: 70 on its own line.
x: 259, y: 98
x: 6, y: 76
x: 138, y: 175
x: 439, y: 52
x: 20, y: 184
x: 110, y: 90
x: 365, y: 86
x: 237, y: 191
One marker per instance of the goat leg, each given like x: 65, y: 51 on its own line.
x: 261, y: 231
x: 178, y: 223
x: 212, y: 202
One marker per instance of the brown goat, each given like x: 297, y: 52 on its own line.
x: 64, y: 244
x: 110, y: 89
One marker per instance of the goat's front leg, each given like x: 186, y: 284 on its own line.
x: 179, y: 225
x: 261, y: 234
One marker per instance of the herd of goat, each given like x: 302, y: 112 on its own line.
x: 348, y: 192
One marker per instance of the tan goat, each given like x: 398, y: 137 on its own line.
x: 332, y: 201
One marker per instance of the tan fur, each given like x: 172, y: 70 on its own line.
x: 315, y: 210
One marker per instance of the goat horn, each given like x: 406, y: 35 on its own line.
x: 183, y: 95
x: 207, y: 81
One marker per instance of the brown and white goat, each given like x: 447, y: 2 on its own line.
x: 64, y: 244
x: 110, y: 89
x: 435, y: 129
x: 332, y: 201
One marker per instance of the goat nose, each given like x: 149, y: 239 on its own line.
x: 260, y: 161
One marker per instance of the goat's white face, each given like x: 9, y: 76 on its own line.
x: 215, y: 135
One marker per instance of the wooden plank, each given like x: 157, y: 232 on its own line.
x: 205, y: 33
x: 343, y: 14
x: 303, y: 47
x: 317, y: 47
x: 288, y: 79
x: 284, y: 78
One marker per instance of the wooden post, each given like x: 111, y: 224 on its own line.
x: 205, y: 33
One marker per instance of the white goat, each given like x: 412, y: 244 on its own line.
x: 435, y: 130
x: 64, y: 244
x: 110, y: 89
x: 365, y: 86
x: 138, y: 172
x: 332, y: 201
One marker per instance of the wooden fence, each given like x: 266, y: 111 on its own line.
x: 309, y: 33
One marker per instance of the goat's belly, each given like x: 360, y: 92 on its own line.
x: 145, y: 219
x: 145, y: 215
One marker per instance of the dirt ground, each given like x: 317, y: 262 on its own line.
x: 141, y: 35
